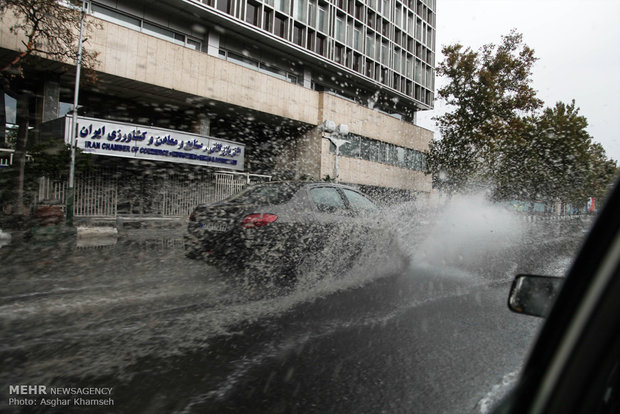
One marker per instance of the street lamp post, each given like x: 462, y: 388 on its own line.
x: 76, y: 92
x: 336, y: 137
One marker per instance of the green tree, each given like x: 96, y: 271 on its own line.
x: 602, y: 174
x: 497, y: 137
x: 569, y: 166
x: 489, y: 93
x: 49, y: 29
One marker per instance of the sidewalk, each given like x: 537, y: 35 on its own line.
x: 123, y: 224
x: 99, y: 228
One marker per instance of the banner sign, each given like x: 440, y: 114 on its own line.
x: 118, y: 139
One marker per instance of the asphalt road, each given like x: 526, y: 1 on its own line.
x: 169, y: 334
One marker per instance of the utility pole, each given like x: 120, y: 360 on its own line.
x: 76, y: 92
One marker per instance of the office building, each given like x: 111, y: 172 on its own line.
x: 282, y: 80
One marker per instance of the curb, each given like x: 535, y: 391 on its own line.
x: 87, y: 231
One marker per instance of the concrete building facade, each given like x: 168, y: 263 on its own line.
x: 268, y: 74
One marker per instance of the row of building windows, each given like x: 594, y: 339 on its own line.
x: 374, y: 47
x: 396, y: 12
x: 377, y: 151
x: 264, y: 67
x: 144, y: 26
x: 412, y: 34
x: 405, y: 65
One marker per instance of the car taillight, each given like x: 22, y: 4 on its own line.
x: 192, y: 217
x: 257, y: 220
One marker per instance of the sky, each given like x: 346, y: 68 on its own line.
x: 577, y: 44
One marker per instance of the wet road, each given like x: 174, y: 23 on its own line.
x: 169, y: 334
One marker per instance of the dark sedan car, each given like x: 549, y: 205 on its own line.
x: 285, y: 229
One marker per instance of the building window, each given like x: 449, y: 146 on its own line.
x: 299, y: 10
x: 384, y: 76
x: 321, y: 44
x: 418, y: 29
x: 359, y: 12
x: 371, y: 19
x: 145, y: 27
x: 410, y: 26
x: 370, y: 45
x: 410, y: 67
x: 357, y: 62
x: 377, y: 151
x: 115, y: 17
x: 310, y: 40
x: 322, y: 19
x: 369, y: 150
x: 273, y: 71
x: 312, y: 14
x: 386, y: 8
x: 357, y: 39
x: 418, y: 71
x: 225, y: 6
x: 339, y: 29
x: 396, y: 63
x: 350, y: 33
x: 429, y: 37
x: 370, y: 68
x: 268, y: 20
x: 193, y: 44
x: 385, y: 53
x: 298, y: 35
x: 280, y: 26
x: 398, y: 16
x: 339, y: 53
x: 352, y: 148
x: 385, y: 28
x: 242, y: 60
x: 252, y: 14
x: 283, y: 6
x: 429, y: 77
x: 158, y: 31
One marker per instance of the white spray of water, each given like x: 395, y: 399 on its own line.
x: 467, y: 230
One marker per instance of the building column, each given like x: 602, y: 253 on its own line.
x: 49, y: 105
x: 202, y: 125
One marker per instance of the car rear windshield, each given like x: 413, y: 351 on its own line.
x: 265, y: 194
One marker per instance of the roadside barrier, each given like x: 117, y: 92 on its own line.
x: 534, y: 218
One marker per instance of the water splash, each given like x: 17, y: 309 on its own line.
x: 466, y: 231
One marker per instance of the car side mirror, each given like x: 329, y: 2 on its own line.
x: 533, y: 295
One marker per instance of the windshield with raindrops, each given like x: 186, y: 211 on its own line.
x: 290, y: 206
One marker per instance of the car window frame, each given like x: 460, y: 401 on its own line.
x: 345, y: 211
x: 352, y: 208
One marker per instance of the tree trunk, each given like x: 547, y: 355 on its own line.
x: 19, y: 158
x: 2, y: 118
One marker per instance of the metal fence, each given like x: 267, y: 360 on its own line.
x: 95, y: 195
x: 180, y: 195
x: 98, y: 195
